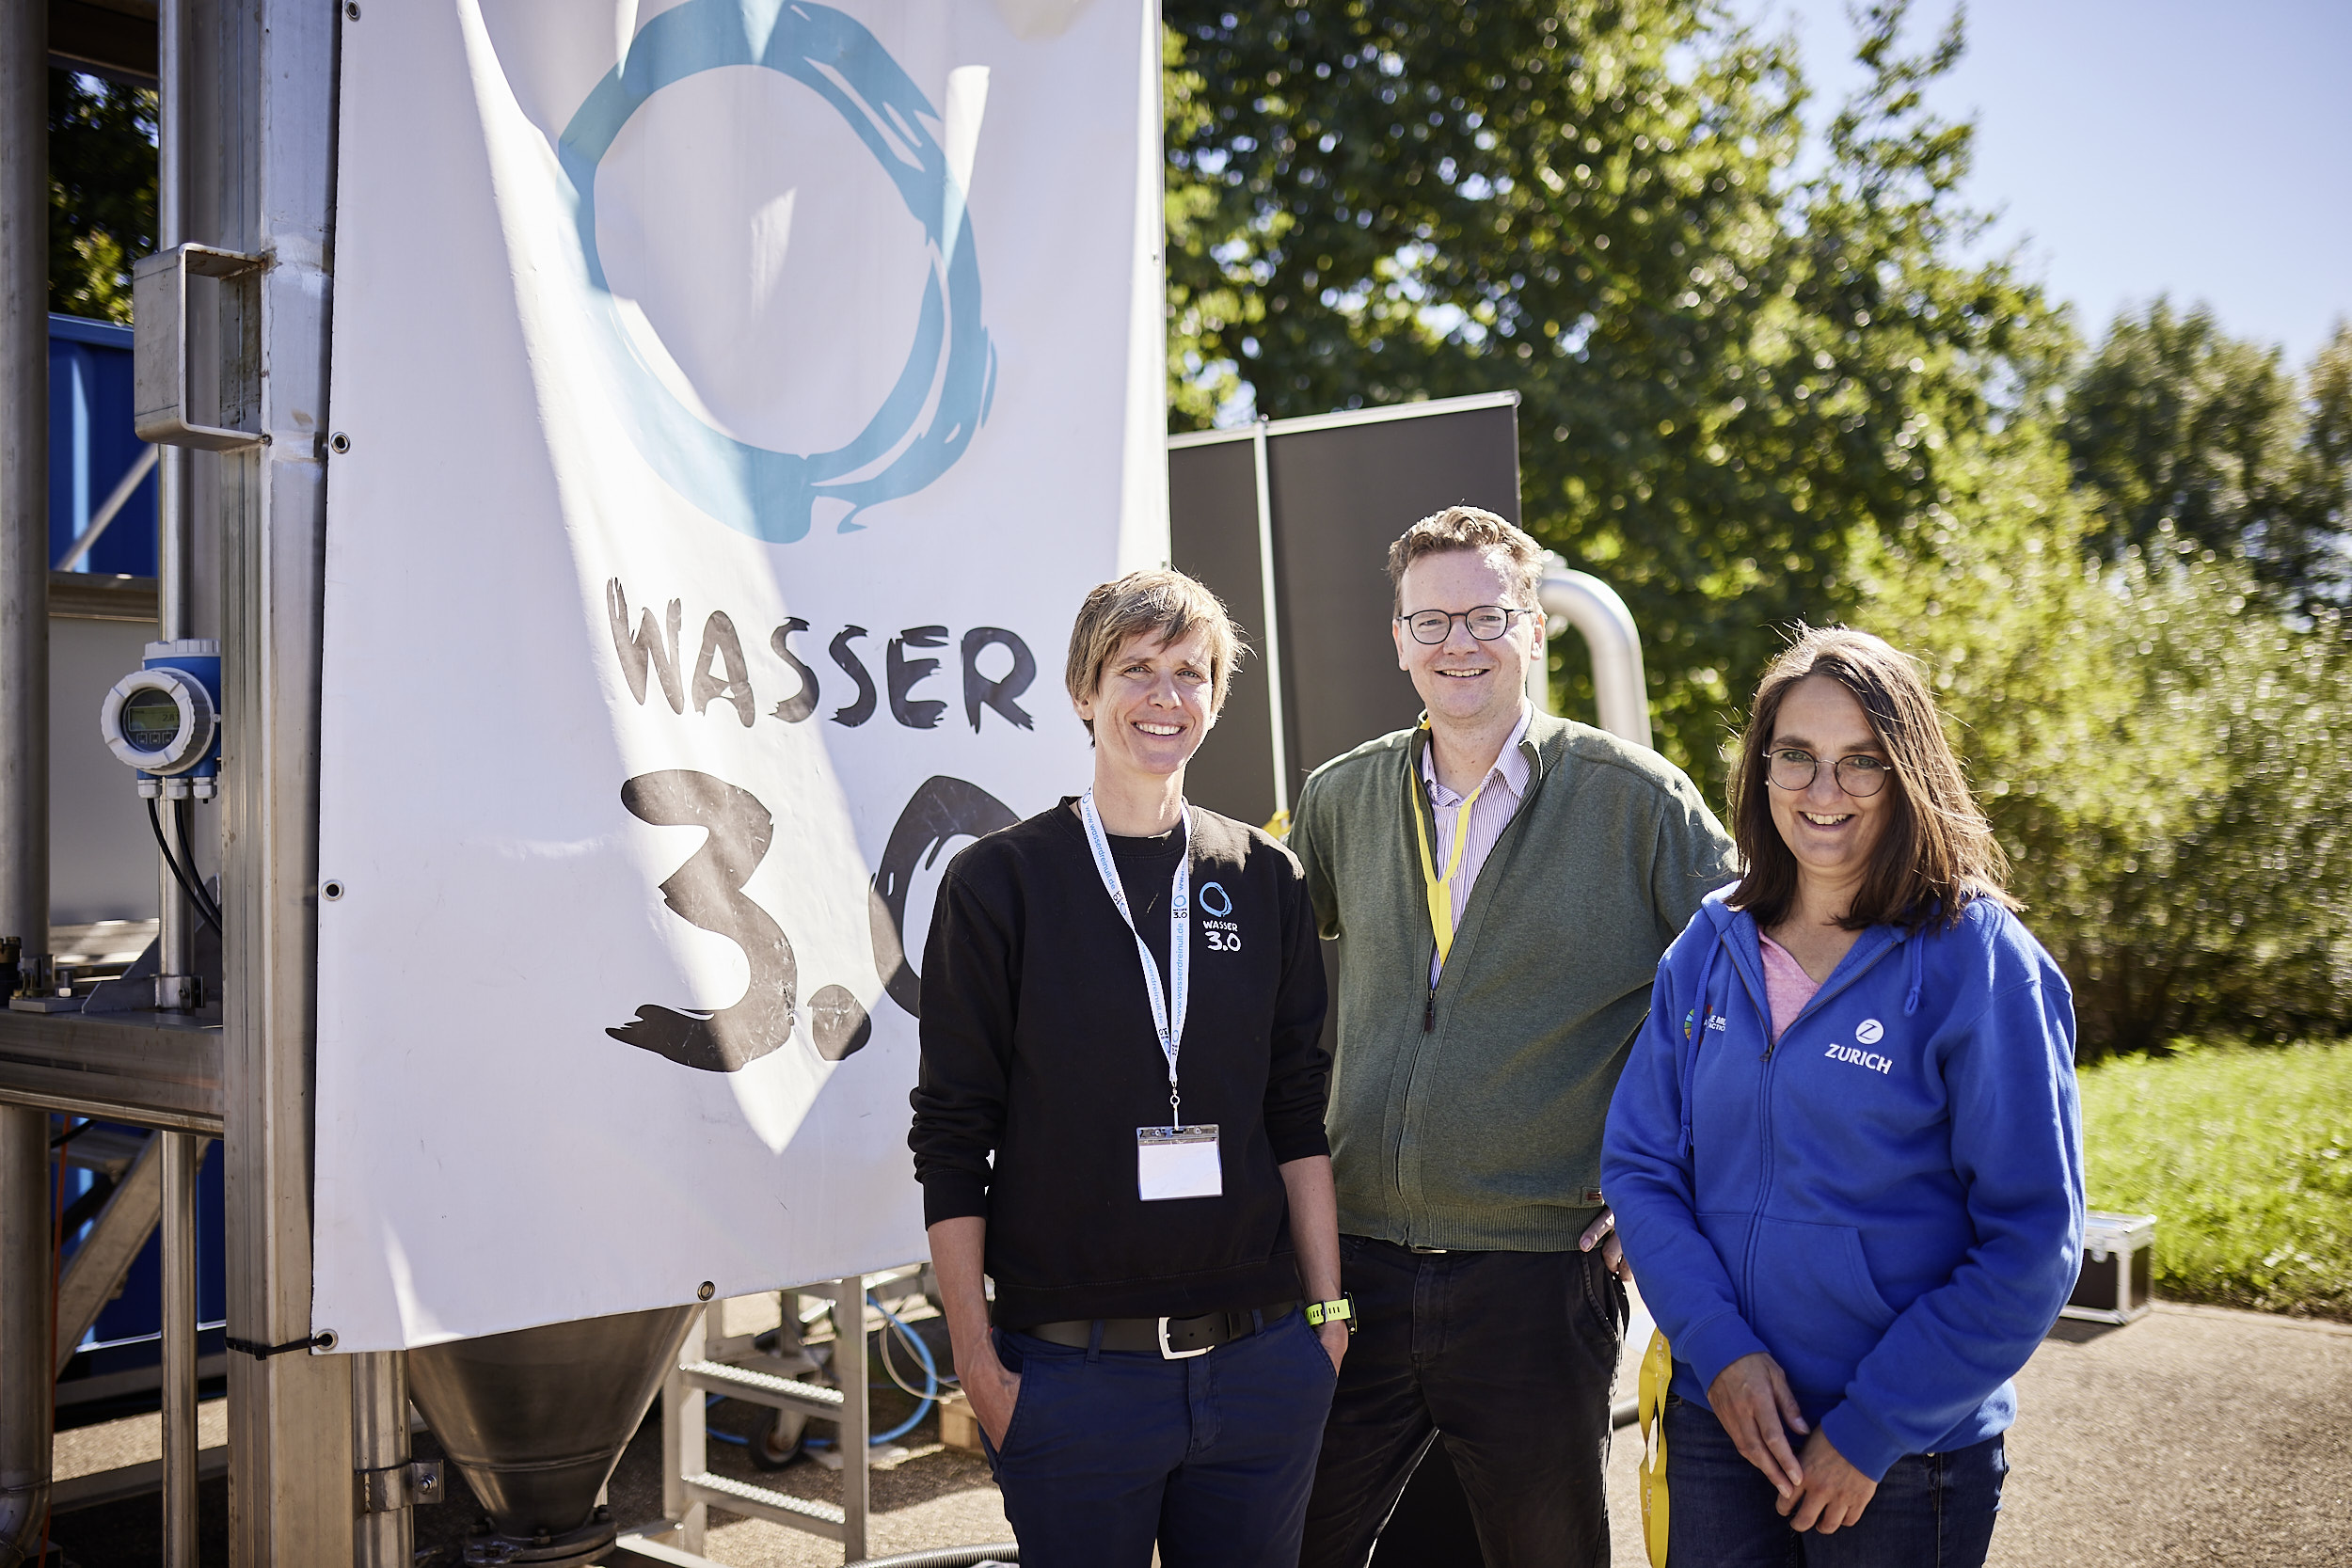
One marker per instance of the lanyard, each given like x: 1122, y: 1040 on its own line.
x: 1169, y: 1025
x: 1440, y: 889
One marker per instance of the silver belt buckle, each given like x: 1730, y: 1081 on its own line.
x: 1167, y: 1354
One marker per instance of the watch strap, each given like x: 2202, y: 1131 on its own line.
x: 1341, y: 1310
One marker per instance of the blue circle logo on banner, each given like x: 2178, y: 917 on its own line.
x: 945, y: 391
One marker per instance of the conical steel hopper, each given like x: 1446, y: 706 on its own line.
x: 536, y: 1420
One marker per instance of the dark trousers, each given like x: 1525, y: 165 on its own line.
x: 1209, y: 1456
x: 1509, y: 1358
x: 1930, y: 1509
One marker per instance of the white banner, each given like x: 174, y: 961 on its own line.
x: 733, y: 399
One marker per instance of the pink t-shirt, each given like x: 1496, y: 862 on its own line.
x: 1786, y: 986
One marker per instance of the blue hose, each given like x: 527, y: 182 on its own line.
x: 931, y: 1383
x: 739, y: 1442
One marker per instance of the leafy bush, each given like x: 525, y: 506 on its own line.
x: 2244, y: 1157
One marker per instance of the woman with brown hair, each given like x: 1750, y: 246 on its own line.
x: 1846, y: 1154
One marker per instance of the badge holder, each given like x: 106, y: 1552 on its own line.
x: 1178, y: 1162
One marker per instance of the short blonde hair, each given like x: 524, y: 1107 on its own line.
x: 1479, y: 532
x: 1164, y: 600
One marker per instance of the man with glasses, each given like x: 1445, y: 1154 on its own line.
x: 1501, y: 885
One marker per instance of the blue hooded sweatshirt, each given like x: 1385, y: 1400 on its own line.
x: 1889, y: 1201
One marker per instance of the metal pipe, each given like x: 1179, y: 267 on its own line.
x: 382, y: 1537
x: 174, y: 581
x: 175, y: 934
x: 26, y: 1330
x: 1593, y: 608
x: 178, y: 1153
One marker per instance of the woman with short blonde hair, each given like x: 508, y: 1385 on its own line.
x: 1119, y: 1122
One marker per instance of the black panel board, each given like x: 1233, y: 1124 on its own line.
x: 1212, y: 529
x: 1342, y: 495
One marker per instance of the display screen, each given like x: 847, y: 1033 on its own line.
x: 151, y: 720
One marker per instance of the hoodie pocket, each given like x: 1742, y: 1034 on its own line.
x: 1815, y: 1307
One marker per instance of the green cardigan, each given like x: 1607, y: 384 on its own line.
x: 1473, y: 1120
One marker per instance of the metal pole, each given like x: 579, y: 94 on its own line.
x: 26, y: 1330
x: 848, y: 1375
x: 180, y: 1151
x: 291, y: 1482
x: 174, y: 579
x: 384, y: 1538
x: 685, y: 1441
x: 173, y: 938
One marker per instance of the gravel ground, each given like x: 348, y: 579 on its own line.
x: 2195, y: 1437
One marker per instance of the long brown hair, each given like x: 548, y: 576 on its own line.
x: 1937, y: 852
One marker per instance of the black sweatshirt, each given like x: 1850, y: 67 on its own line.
x: 1039, y: 1048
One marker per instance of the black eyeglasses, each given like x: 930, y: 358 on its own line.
x: 1486, y: 621
x: 1861, y: 777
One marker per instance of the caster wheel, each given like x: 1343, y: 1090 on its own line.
x: 777, y: 1443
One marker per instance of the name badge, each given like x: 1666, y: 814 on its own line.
x: 1178, y: 1162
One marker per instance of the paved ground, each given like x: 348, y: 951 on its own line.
x: 2194, y: 1439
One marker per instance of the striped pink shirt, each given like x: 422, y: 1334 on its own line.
x: 1505, y: 787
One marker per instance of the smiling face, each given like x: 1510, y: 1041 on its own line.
x: 1461, y: 680
x: 1830, y: 832
x: 1153, y: 705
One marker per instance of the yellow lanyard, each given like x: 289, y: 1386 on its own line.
x: 1440, y: 889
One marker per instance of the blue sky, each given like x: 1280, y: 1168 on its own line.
x: 2202, y: 150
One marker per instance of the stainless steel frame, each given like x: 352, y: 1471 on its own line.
x: 689, y: 1486
x: 25, y: 1325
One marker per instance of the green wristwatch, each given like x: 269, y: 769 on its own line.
x: 1339, y: 1311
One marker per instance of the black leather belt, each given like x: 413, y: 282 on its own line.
x: 1170, y: 1338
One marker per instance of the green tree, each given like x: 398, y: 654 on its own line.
x: 2163, y: 756
x: 2320, y: 479
x: 102, y: 193
x: 1730, y: 377
x: 2175, y: 423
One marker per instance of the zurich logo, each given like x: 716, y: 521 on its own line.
x: 1224, y: 904
x: 1870, y: 1031
x: 941, y: 394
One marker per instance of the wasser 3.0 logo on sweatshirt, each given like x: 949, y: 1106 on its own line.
x: 1223, y: 936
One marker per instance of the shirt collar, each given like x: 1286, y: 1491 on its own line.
x: 1510, y: 763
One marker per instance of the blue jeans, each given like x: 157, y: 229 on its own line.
x: 1931, y: 1510
x: 1210, y: 1457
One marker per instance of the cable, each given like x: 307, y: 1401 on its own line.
x: 182, y: 815
x: 203, y: 909
x: 891, y: 1372
x: 923, y: 1354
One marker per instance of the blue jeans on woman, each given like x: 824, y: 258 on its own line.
x: 1210, y: 1457
x: 1931, y: 1510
